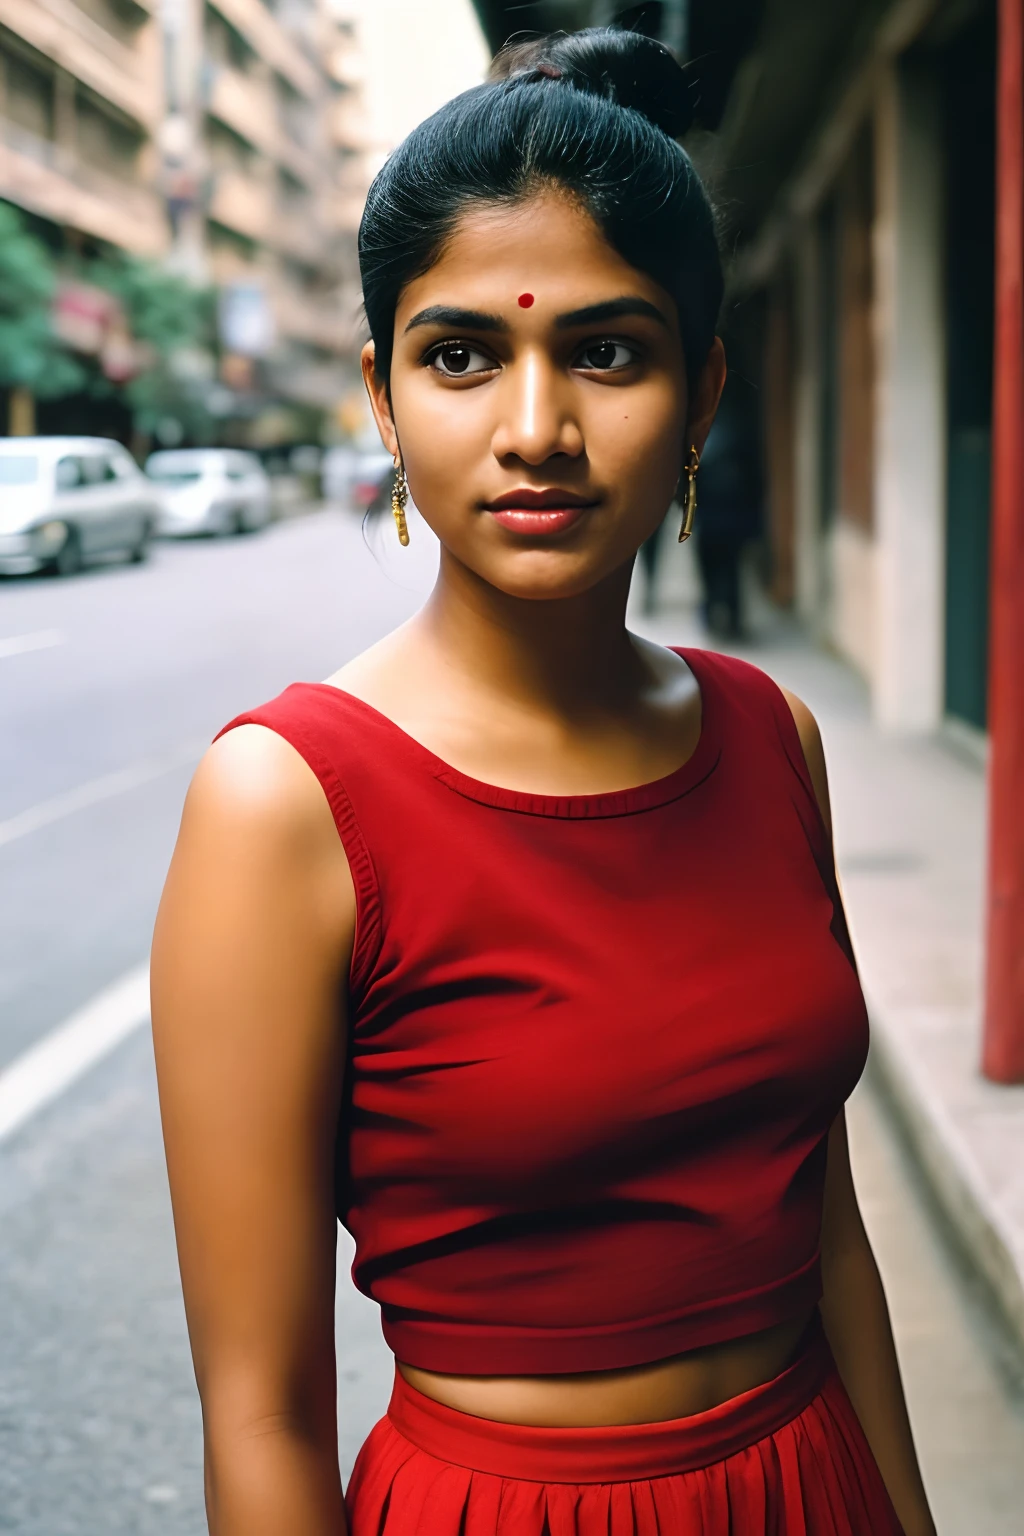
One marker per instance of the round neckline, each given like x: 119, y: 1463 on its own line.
x: 616, y: 802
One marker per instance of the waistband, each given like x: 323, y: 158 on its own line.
x: 617, y: 1453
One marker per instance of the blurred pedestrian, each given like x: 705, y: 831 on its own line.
x: 729, y: 515
x: 518, y: 942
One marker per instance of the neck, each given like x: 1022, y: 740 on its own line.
x: 570, y: 654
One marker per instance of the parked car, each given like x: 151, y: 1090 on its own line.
x: 336, y: 469
x: 356, y: 478
x: 209, y: 490
x: 373, y: 476
x: 65, y: 500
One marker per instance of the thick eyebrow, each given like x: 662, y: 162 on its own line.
x: 457, y: 319
x: 611, y: 309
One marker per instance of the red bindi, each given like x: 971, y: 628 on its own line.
x: 525, y: 300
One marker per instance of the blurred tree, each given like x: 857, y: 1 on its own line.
x: 31, y: 357
x: 173, y: 323
x: 163, y: 310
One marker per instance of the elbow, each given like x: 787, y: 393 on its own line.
x: 244, y: 1411
x: 272, y: 1465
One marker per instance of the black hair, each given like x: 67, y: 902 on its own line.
x: 596, y: 112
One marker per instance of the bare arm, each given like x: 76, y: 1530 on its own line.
x: 249, y: 957
x: 853, y: 1306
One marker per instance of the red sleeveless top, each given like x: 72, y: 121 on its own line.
x: 596, y: 1041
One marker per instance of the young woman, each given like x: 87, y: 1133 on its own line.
x: 517, y: 943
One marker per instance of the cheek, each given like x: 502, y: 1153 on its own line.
x: 444, y: 436
x: 637, y: 436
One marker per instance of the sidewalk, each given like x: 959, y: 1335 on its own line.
x: 910, y: 840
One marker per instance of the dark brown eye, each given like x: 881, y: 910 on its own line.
x: 456, y: 359
x: 605, y: 355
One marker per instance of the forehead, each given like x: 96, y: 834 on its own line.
x: 548, y: 245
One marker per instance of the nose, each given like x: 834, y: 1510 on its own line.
x: 537, y: 419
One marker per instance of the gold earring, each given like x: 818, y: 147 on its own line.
x: 399, y: 497
x: 690, y: 469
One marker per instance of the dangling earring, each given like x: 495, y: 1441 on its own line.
x: 399, y: 497
x: 690, y: 469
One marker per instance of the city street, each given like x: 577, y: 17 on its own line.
x: 111, y: 684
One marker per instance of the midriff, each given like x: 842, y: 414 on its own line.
x: 648, y: 1394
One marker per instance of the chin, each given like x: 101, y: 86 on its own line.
x: 544, y: 576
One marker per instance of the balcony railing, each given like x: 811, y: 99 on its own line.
x: 268, y: 39
x: 246, y: 104
x: 243, y: 204
x: 249, y: 107
x: 321, y: 322
x: 127, y: 77
x: 298, y: 233
x: 251, y: 206
x: 35, y: 173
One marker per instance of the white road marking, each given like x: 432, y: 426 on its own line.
x: 38, y: 640
x: 104, y: 788
x: 46, y: 1069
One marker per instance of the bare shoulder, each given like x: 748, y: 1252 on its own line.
x: 814, y: 752
x: 252, y: 774
x: 256, y: 819
x: 807, y: 726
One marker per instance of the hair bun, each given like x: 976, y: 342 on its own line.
x: 625, y: 67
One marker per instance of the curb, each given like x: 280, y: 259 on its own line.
x: 985, y: 1237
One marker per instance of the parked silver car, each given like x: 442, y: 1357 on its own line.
x: 209, y: 490
x: 65, y: 500
x: 357, y: 479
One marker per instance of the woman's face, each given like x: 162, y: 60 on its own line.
x: 538, y: 398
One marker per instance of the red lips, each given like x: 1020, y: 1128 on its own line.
x: 528, y: 499
x: 538, y: 514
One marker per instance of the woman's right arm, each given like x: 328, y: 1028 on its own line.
x: 250, y: 956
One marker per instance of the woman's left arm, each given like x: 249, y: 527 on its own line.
x: 853, y: 1306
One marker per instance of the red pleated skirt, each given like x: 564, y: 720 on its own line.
x: 788, y: 1458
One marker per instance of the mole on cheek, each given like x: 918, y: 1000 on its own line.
x: 525, y: 300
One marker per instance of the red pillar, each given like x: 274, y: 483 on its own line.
x: 1003, y: 1050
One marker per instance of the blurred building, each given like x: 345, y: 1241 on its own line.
x: 81, y: 103
x: 275, y: 137
x: 856, y: 159
x: 199, y: 135
x: 250, y: 172
x: 231, y: 142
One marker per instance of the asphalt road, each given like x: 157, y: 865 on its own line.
x: 132, y: 672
